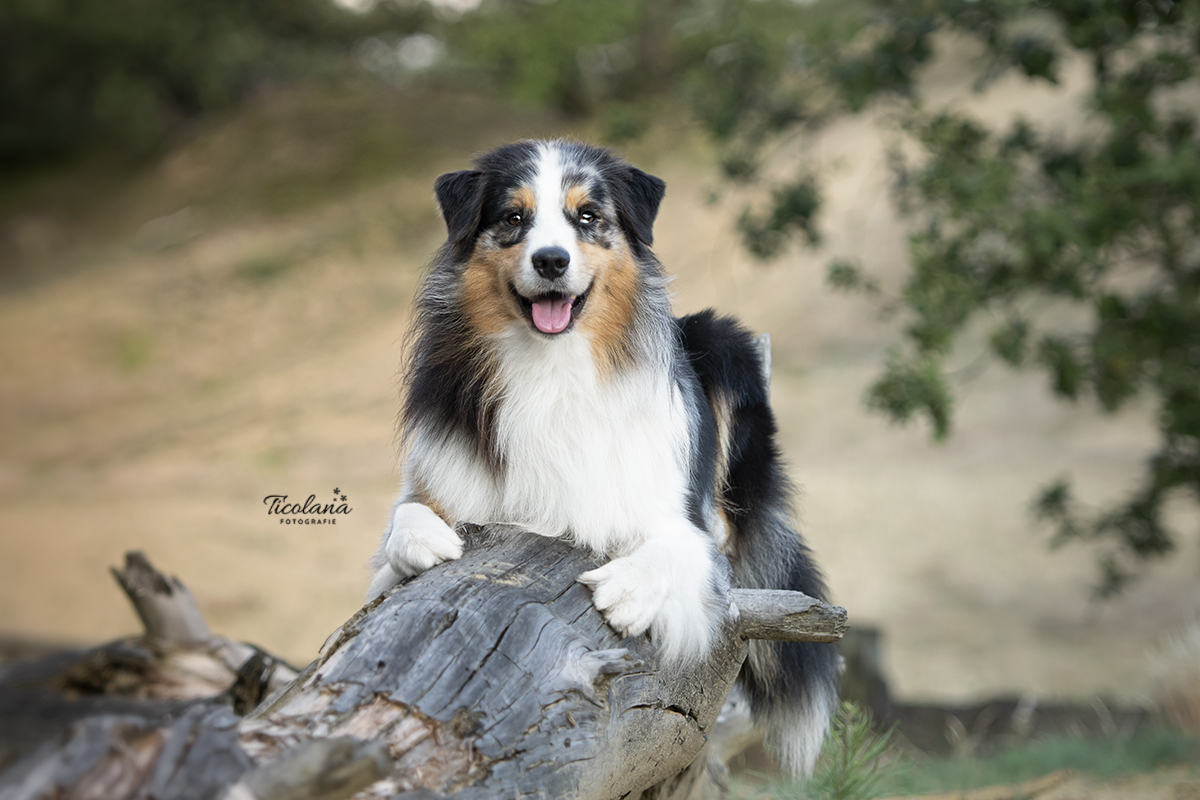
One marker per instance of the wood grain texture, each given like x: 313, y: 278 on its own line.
x: 489, y: 676
x: 496, y: 670
x: 785, y: 616
x: 166, y: 607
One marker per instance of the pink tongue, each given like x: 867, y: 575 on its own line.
x: 552, y: 315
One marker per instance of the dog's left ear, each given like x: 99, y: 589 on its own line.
x: 637, y: 203
x: 460, y: 196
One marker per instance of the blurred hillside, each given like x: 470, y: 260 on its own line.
x: 186, y: 333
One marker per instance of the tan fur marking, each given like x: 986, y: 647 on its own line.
x: 577, y: 197
x: 484, y: 293
x: 726, y: 544
x: 723, y: 413
x: 422, y: 495
x: 609, y: 310
x: 523, y: 197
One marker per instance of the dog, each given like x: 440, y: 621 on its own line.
x: 548, y: 385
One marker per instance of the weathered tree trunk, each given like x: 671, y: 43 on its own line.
x: 489, y: 676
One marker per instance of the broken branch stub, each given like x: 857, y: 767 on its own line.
x: 166, y: 607
x: 785, y: 616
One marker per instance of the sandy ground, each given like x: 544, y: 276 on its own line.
x: 151, y: 396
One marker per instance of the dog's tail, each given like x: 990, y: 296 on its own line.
x: 792, y: 686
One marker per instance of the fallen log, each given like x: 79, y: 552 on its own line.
x: 489, y: 676
x: 152, y: 679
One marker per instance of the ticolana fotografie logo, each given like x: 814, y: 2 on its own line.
x: 310, y: 512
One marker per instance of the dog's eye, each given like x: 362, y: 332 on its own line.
x: 586, y: 218
x: 514, y: 219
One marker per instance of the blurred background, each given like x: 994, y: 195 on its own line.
x: 978, y: 218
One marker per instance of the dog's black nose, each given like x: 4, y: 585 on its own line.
x: 551, y: 262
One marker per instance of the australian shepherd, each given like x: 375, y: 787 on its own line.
x: 549, y: 386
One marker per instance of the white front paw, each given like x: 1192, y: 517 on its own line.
x: 666, y: 587
x: 419, y: 539
x: 627, y: 594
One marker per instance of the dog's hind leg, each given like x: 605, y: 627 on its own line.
x: 791, y: 686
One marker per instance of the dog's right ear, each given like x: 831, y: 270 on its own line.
x: 460, y: 196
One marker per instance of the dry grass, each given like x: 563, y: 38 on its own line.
x: 1175, y: 668
x: 154, y: 390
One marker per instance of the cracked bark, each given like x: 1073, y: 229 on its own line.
x: 489, y: 676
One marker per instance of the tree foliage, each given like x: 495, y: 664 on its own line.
x: 1081, y: 251
x: 75, y: 73
x: 622, y: 59
x: 565, y: 55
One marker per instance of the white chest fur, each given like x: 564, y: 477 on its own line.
x: 601, y: 459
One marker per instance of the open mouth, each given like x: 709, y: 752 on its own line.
x: 551, y: 313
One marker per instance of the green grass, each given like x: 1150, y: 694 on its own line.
x: 265, y: 268
x: 273, y: 459
x: 133, y: 350
x: 853, y: 763
x: 1103, y: 758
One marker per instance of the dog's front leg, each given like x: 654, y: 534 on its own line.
x: 417, y: 540
x: 670, y: 585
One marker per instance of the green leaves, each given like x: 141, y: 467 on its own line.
x: 1010, y: 342
x: 1037, y: 57
x: 1081, y: 250
x: 561, y: 55
x: 1126, y: 534
x: 126, y: 72
x: 1057, y: 355
x: 793, y: 209
x: 904, y: 45
x: 846, y: 276
x: 910, y: 386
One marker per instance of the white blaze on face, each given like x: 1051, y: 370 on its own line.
x: 551, y: 229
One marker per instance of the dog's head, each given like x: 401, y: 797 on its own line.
x: 550, y: 234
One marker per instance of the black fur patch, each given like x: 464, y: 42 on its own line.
x: 460, y: 196
x: 767, y: 552
x: 450, y: 375
x: 637, y: 200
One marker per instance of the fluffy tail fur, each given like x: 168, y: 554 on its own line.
x: 792, y: 686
